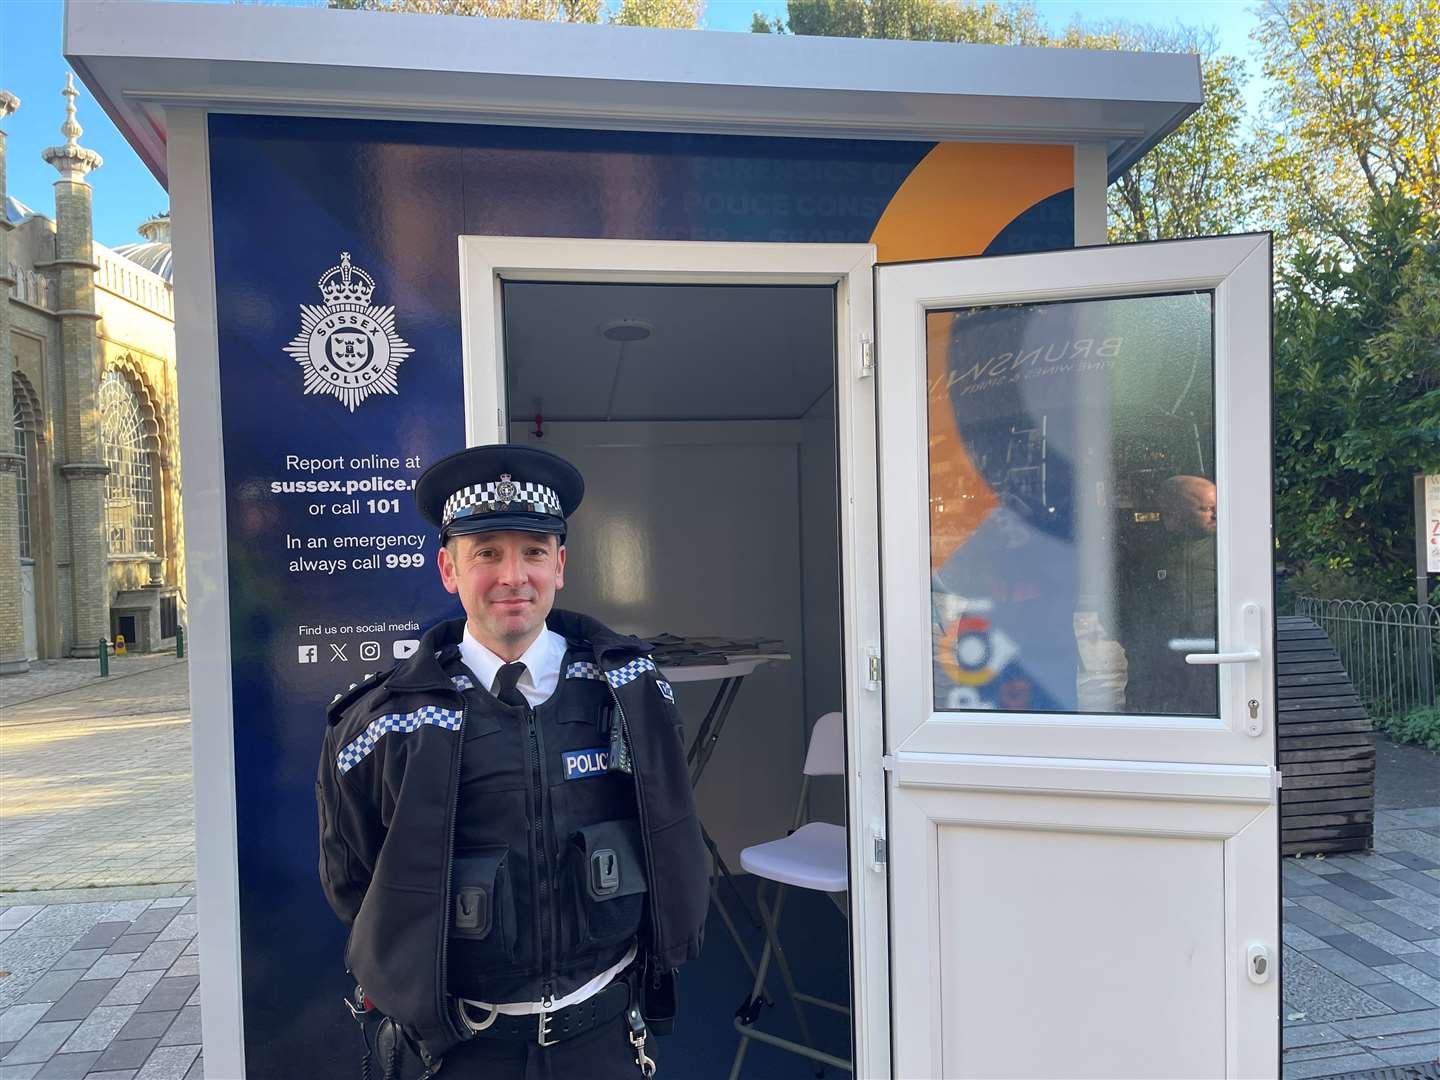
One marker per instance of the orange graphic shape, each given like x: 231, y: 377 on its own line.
x: 954, y: 203
x: 961, y: 195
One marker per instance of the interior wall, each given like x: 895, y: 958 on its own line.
x: 692, y: 528
x: 820, y: 585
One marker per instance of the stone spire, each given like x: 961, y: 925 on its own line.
x: 82, y: 465
x: 9, y: 103
x: 72, y: 160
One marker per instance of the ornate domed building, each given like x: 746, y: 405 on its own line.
x: 153, y: 253
x: 91, y: 480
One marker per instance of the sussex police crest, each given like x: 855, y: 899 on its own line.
x: 347, y: 347
x: 505, y: 491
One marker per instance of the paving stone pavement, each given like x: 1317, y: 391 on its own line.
x: 72, y: 759
x: 1361, y: 972
x: 47, y: 677
x: 103, y: 982
x: 103, y: 988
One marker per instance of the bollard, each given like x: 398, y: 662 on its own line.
x: 104, y: 658
x: 179, y: 643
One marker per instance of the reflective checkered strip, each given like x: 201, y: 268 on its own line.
x: 404, y: 723
x: 630, y: 672
x: 462, y: 682
x: 534, y: 498
x: 585, y: 669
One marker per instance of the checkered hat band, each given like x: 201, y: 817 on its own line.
x: 485, y: 499
x: 403, y: 723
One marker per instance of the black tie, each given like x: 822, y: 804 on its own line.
x: 505, y: 688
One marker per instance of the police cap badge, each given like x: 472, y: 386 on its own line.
x: 500, y: 488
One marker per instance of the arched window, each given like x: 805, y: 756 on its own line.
x: 25, y: 447
x: 128, y: 432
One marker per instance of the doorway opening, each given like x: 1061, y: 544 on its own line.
x: 703, y: 417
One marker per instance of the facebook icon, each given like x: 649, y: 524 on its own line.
x: 309, y: 654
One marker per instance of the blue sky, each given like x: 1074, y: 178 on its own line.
x: 125, y: 193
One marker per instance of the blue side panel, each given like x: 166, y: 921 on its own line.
x: 288, y: 198
x: 641, y: 185
x: 290, y: 195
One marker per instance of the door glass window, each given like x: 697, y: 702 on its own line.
x: 1072, y: 505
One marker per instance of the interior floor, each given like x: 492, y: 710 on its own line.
x: 703, y: 1044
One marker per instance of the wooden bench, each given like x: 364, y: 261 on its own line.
x: 1327, y: 746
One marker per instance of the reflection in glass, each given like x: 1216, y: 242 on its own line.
x: 1072, y: 505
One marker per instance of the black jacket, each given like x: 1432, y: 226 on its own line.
x: 387, y: 789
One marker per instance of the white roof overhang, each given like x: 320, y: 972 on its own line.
x: 139, y: 59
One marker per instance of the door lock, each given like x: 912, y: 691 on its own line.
x: 1252, y: 724
x: 1257, y: 964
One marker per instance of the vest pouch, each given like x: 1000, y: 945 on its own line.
x: 608, y: 868
x: 482, y: 904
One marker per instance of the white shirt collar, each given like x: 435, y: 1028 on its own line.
x: 542, y: 662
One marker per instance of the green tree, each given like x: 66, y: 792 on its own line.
x: 1354, y: 110
x: 670, y: 14
x: 1357, y: 398
x: 988, y: 22
x: 1204, y: 179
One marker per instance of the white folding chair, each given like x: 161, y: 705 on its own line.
x: 813, y: 856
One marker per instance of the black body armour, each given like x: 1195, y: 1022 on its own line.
x: 548, y: 885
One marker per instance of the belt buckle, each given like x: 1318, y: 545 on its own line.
x: 543, y: 1037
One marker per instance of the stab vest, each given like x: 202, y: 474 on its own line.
x: 548, y: 879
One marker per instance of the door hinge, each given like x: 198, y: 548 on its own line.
x: 874, y: 670
x: 867, y: 357
x: 880, y: 856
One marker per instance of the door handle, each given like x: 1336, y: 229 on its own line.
x: 1245, y: 657
x: 1251, y: 638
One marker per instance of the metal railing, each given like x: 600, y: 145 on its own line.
x: 1390, y: 651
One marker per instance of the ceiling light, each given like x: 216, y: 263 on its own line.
x: 626, y: 330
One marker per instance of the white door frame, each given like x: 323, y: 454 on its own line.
x: 486, y: 261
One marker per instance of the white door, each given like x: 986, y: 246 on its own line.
x: 1076, y: 558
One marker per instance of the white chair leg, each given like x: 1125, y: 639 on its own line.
x: 730, y: 925
x: 757, y: 993
x: 772, y: 933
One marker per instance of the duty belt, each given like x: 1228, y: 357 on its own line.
x: 549, y: 1028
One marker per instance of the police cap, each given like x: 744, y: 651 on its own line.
x: 501, y: 488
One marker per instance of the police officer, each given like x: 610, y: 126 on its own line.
x: 506, y: 820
